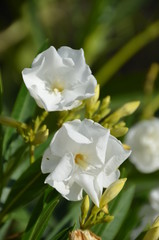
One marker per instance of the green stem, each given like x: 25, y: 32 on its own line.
x: 128, y: 51
x: 10, y: 122
x: 32, y: 158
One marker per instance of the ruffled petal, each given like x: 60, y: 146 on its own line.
x: 75, y: 193
x: 49, y: 161
x: 115, y: 155
x: 64, y: 168
x: 87, y: 182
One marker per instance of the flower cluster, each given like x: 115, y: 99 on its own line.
x: 82, y: 155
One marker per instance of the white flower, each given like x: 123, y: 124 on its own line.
x: 83, y: 155
x: 143, y: 139
x: 154, y: 199
x: 58, y: 80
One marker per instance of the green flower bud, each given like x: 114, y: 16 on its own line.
x: 84, y: 209
x: 153, y: 232
x: 111, y: 192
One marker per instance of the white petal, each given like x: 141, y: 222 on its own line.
x: 115, y: 155
x: 98, y: 135
x: 64, y: 168
x: 62, y: 187
x: 109, y: 179
x: 62, y: 142
x: 75, y: 193
x: 71, y: 128
x: 49, y: 161
x: 88, y: 183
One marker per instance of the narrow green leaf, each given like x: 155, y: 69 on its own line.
x: 35, y: 232
x: 14, y: 161
x: 4, y: 229
x: 26, y: 188
x: 119, y: 210
x: 128, y: 51
x: 71, y: 217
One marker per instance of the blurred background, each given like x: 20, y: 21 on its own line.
x: 120, y: 39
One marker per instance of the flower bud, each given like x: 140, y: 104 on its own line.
x: 118, y: 131
x: 41, y: 135
x: 84, y: 208
x: 153, y: 232
x: 111, y: 192
x: 126, y: 110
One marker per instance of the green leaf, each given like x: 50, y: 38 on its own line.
x: 4, y: 229
x: 14, y: 161
x: 71, y: 217
x: 40, y: 217
x: 119, y: 209
x: 26, y: 188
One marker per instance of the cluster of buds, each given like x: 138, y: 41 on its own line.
x: 100, y: 214
x: 34, y: 135
x: 99, y: 111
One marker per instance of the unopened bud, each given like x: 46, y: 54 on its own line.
x: 41, y: 136
x: 153, y: 232
x: 84, y: 209
x: 119, y: 131
x: 111, y: 192
x: 126, y: 110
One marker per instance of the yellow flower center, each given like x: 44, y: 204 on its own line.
x: 80, y: 159
x: 57, y: 87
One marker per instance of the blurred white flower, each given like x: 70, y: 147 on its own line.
x: 83, y: 155
x: 154, y: 200
x: 58, y: 80
x: 148, y: 213
x: 143, y: 138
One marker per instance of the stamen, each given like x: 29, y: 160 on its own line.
x: 80, y: 159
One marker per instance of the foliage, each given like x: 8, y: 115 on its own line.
x: 123, y: 56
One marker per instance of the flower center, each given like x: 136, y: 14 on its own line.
x: 57, y: 87
x: 81, y: 160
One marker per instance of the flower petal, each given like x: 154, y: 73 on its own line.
x: 64, y: 168
x: 87, y: 182
x: 75, y: 193
x: 115, y: 155
x: 49, y: 161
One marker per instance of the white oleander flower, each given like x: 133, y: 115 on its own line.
x: 59, y: 80
x: 83, y: 156
x: 143, y: 138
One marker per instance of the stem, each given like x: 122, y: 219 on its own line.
x: 32, y: 158
x: 128, y: 51
x: 12, y: 122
